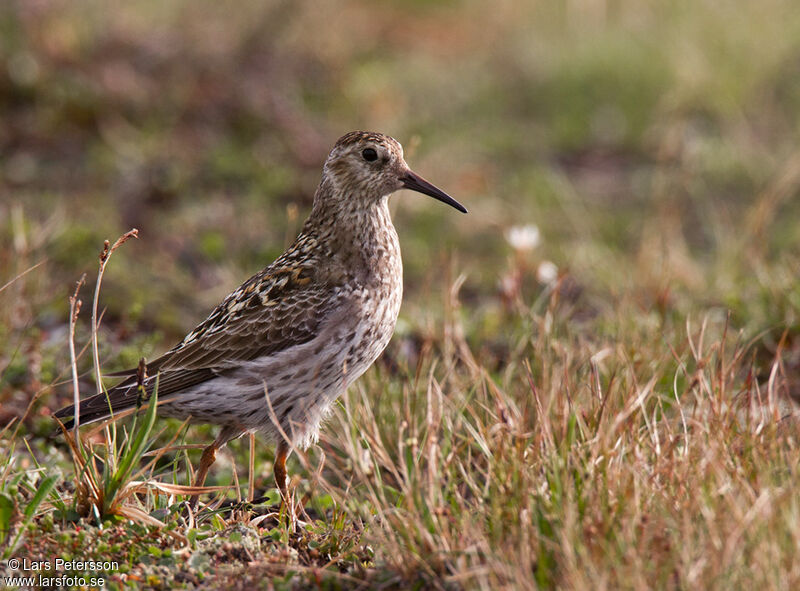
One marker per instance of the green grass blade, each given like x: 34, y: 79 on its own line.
x: 6, y: 513
x: 133, y: 452
x: 41, y: 494
x: 44, y: 489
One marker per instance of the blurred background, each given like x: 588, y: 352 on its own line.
x: 643, y: 155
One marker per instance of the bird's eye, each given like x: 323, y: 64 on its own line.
x: 369, y: 155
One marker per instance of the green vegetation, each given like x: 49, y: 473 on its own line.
x: 607, y: 404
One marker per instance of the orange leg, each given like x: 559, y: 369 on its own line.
x: 251, y: 476
x: 281, y: 453
x: 207, y: 459
x: 210, y: 455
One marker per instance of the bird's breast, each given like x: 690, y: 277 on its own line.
x: 375, y: 297
x: 382, y: 287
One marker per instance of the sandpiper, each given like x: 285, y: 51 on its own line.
x: 280, y: 349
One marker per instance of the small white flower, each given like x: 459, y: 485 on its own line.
x: 547, y: 272
x: 523, y: 238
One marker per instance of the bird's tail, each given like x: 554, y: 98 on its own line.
x: 116, y: 401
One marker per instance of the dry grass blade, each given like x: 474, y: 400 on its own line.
x: 105, y: 256
x: 173, y: 489
x: 20, y: 275
x: 74, y: 310
x: 136, y: 514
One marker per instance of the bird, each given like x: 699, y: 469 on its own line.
x: 276, y: 353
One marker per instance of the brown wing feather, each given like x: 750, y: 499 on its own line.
x: 125, y: 395
x: 281, y: 307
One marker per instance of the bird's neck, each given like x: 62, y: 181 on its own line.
x: 362, y: 233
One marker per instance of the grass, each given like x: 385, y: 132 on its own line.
x: 610, y: 407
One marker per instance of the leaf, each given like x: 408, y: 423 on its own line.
x: 44, y: 489
x: 133, y: 450
x: 7, y: 508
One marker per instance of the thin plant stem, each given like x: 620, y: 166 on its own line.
x: 74, y: 310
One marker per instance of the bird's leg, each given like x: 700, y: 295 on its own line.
x: 281, y: 453
x: 251, y: 482
x: 206, y: 460
x: 209, y: 455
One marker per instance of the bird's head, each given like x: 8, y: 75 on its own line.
x: 369, y: 166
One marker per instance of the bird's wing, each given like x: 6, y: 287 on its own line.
x: 125, y: 395
x: 271, y: 312
x: 281, y: 307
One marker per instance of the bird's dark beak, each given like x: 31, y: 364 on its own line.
x: 416, y: 183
